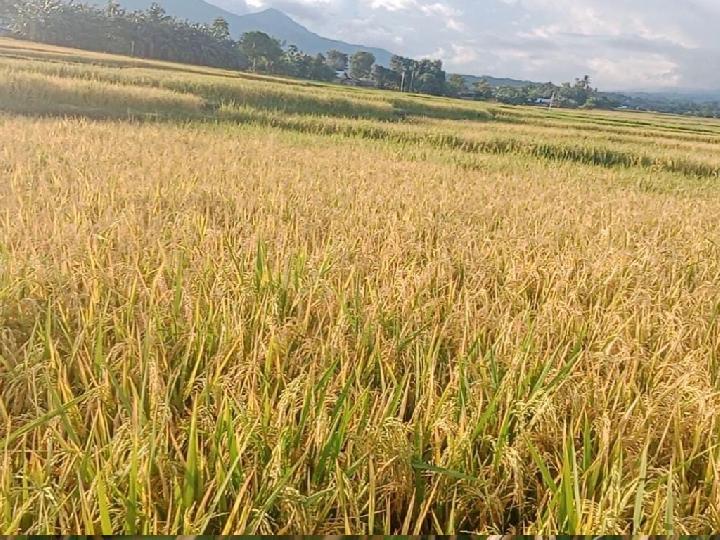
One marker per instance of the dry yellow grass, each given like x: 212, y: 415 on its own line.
x: 313, y: 323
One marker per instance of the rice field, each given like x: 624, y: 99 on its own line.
x: 233, y: 304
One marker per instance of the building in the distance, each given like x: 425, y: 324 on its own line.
x: 343, y: 77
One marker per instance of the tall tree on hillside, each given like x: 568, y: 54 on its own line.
x: 399, y: 65
x: 456, y: 84
x: 220, y: 28
x: 337, y: 60
x: 298, y: 64
x: 583, y: 83
x: 113, y: 9
x: 430, y: 77
x: 320, y: 70
x: 361, y: 64
x: 512, y: 95
x: 384, y: 77
x: 156, y: 12
x: 262, y: 51
x: 409, y: 71
x: 294, y: 62
x: 584, y: 90
x: 117, y: 33
x: 482, y: 89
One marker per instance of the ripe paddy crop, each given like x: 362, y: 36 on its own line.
x: 240, y: 304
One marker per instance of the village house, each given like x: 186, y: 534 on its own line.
x: 343, y: 77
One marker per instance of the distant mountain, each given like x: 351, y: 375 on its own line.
x: 496, y: 82
x: 279, y: 25
x: 697, y: 96
x: 271, y: 21
x: 192, y: 10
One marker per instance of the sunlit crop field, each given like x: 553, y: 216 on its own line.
x: 238, y: 304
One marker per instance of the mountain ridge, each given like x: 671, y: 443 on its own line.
x: 271, y: 21
x: 279, y: 25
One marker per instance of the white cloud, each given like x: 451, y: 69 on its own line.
x: 393, y: 5
x: 637, y: 72
x: 455, y: 25
x: 438, y: 9
x: 619, y: 43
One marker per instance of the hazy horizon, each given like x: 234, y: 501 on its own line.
x: 630, y: 45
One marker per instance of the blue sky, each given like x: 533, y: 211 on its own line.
x: 621, y: 44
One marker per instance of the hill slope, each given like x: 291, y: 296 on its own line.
x: 191, y: 10
x: 278, y: 24
x: 271, y: 21
x: 495, y: 81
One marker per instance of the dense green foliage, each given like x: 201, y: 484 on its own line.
x: 673, y: 104
x: 337, y: 60
x: 568, y: 95
x: 361, y: 64
x: 154, y: 34
x: 147, y: 34
x: 423, y: 76
x: 581, y: 94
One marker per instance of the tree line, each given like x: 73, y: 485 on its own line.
x: 154, y: 34
x: 570, y: 95
x: 146, y: 34
x: 581, y: 94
